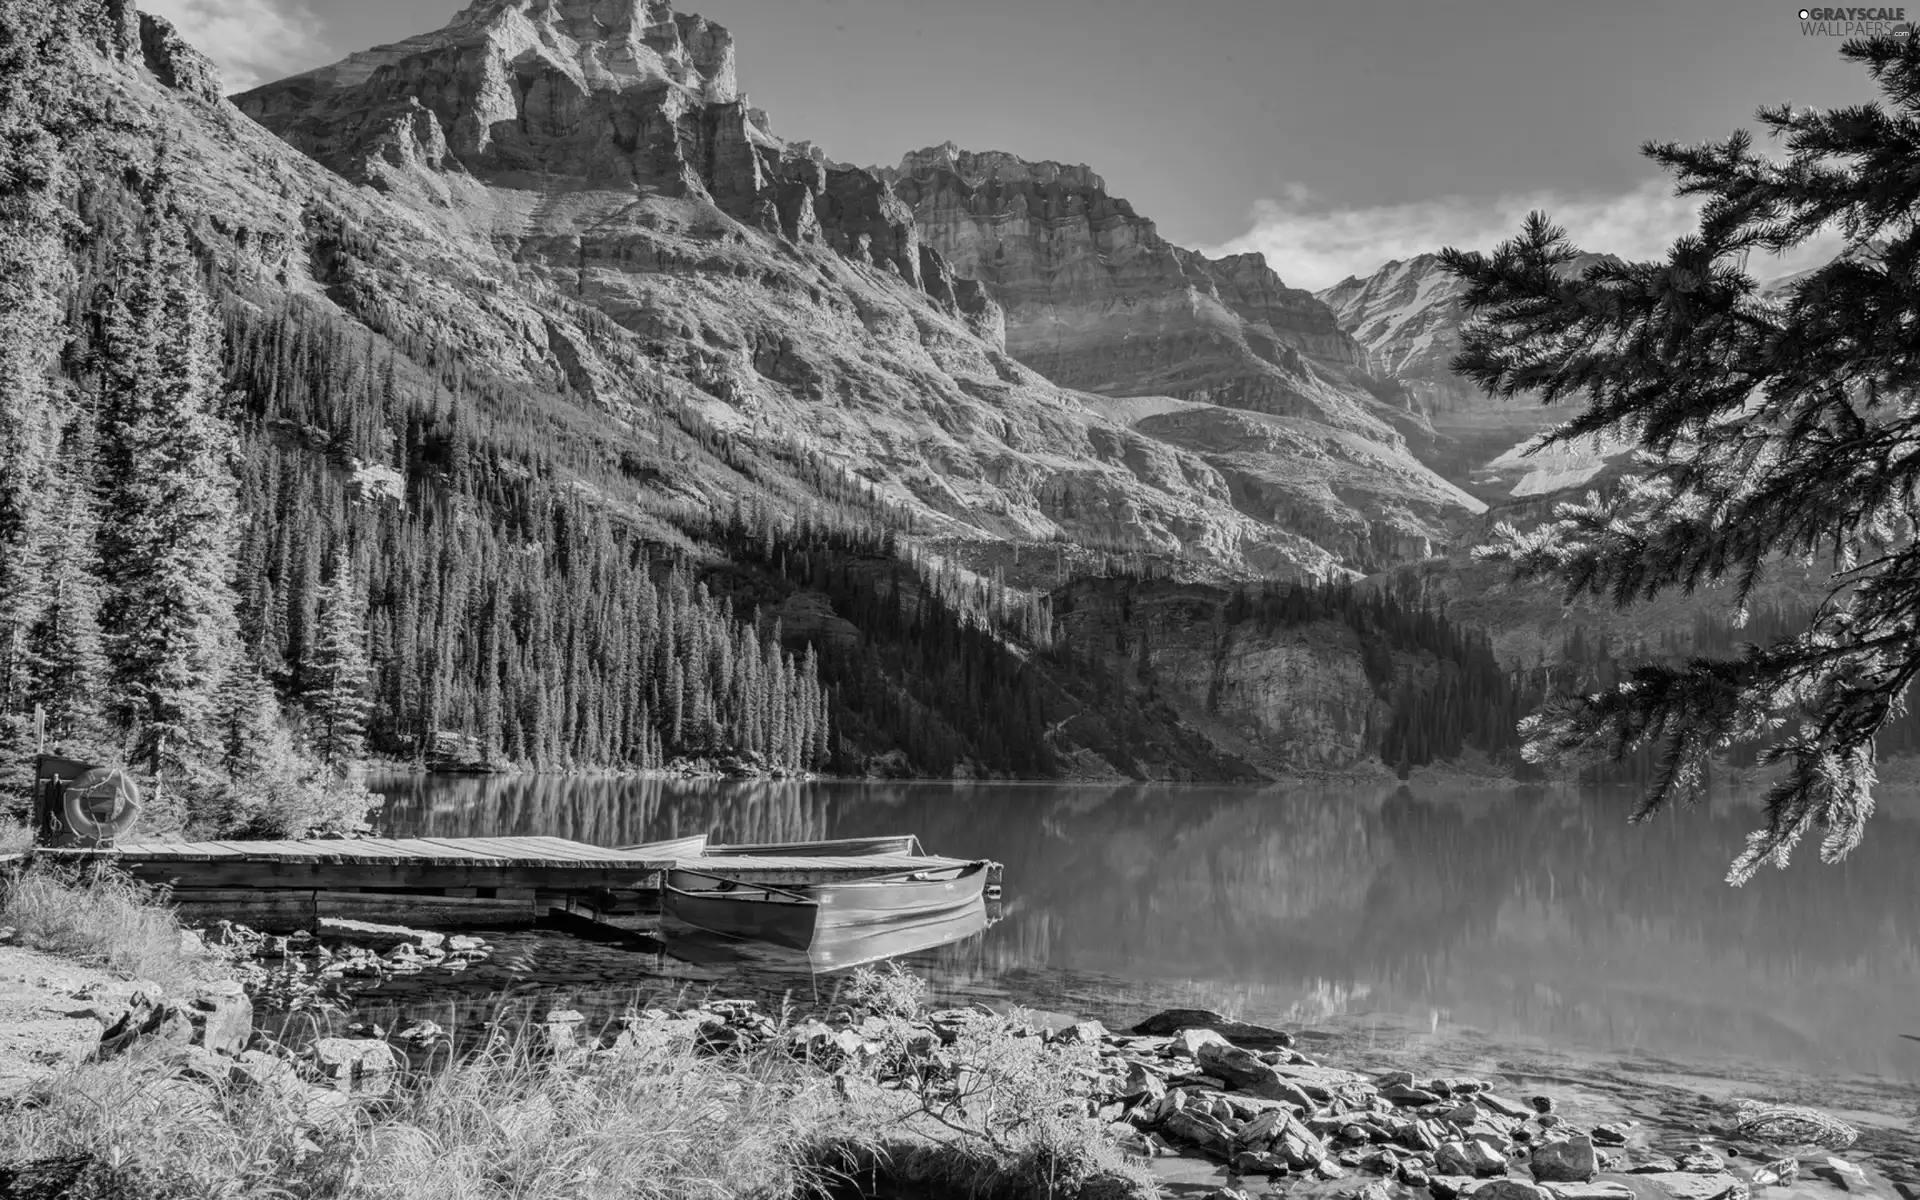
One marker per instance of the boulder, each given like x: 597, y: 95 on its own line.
x: 147, y: 1019
x: 1504, y: 1107
x: 1246, y: 1107
x: 323, y: 1109
x: 1470, y: 1157
x: 266, y: 1072
x: 1143, y: 1083
x: 1322, y: 1083
x: 1381, y: 1162
x: 1197, y: 1129
x: 1609, y: 1135
x: 1408, y: 1096
x: 1299, y: 1147
x: 1187, y: 1042
x: 221, y: 1016
x: 347, y: 1059
x: 1257, y: 1162
x: 379, y: 938
x: 1240, y: 1033
x: 1448, y: 1187
x: 1245, y: 1070
x: 1083, y: 1033
x: 1564, y: 1160
x: 1506, y: 1189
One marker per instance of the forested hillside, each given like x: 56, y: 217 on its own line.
x: 291, y: 478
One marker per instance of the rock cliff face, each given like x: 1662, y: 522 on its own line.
x: 629, y: 228
x: 1097, y: 299
x: 1268, y: 388
x: 1287, y: 700
x: 1406, y: 317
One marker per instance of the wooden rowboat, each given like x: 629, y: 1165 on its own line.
x: 905, y: 843
x: 860, y: 847
x: 833, y: 949
x: 672, y: 848
x: 796, y: 917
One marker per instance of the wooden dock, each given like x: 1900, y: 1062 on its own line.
x: 449, y: 881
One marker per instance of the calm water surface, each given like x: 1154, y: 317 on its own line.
x: 1504, y: 916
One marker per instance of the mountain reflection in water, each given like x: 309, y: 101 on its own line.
x: 1519, y: 913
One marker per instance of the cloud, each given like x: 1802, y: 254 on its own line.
x: 1314, y: 245
x: 252, y: 41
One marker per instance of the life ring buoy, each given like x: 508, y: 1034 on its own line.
x: 101, y: 805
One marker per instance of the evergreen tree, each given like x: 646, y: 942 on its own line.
x: 69, y: 669
x: 167, y: 538
x: 336, y: 673
x: 39, y: 99
x: 245, y: 719
x: 1769, y: 427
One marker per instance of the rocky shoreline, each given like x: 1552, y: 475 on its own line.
x: 1191, y: 1086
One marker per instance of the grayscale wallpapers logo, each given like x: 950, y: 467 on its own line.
x: 1854, y: 22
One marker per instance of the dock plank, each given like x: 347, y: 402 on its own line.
x: 373, y: 848
x: 518, y: 864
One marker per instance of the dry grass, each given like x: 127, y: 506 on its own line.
x: 139, y: 1128
x: 102, y: 917
x: 15, y: 837
x: 637, y: 1125
x: 645, y: 1124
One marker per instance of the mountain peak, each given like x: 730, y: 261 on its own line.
x: 981, y: 166
x: 597, y: 45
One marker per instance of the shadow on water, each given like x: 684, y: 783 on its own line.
x: 1517, y: 913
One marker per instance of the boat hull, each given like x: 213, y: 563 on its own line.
x: 739, y: 910
x: 893, y: 900
x: 800, y: 917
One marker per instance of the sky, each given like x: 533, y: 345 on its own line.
x: 1330, y: 136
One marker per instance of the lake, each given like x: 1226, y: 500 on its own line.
x: 1468, y: 924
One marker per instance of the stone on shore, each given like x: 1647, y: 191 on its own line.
x: 1503, y: 1106
x: 1564, y: 1160
x: 1188, y: 1042
x: 1471, y: 1157
x: 1199, y: 1129
x: 1597, y: 1190
x: 1681, y: 1185
x: 221, y: 1016
x: 1240, y: 1033
x: 346, y: 1060
x: 1245, y: 1070
x: 1506, y: 1189
x: 1083, y: 1033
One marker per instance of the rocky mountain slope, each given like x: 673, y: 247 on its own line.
x: 1406, y: 317
x: 439, y: 322
x: 645, y: 237
x: 1252, y: 375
